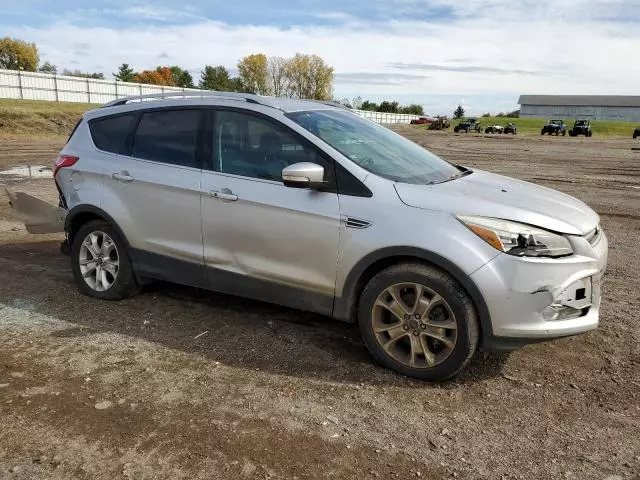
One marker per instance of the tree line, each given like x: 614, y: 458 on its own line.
x: 300, y: 76
x: 385, y: 106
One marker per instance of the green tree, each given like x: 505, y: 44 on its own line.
x: 458, y: 112
x: 369, y: 106
x: 182, y: 78
x: 413, y: 109
x: 236, y: 85
x: 125, y: 73
x: 78, y: 73
x: 254, y: 73
x: 215, y: 78
x: 48, y: 68
x: 18, y: 55
x: 389, y: 107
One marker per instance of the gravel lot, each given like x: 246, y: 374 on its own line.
x: 182, y: 383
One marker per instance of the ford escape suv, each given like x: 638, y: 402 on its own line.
x: 308, y: 205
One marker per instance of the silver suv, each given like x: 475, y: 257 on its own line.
x: 308, y: 205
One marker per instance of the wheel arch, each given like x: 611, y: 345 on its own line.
x: 345, y: 305
x: 82, y: 214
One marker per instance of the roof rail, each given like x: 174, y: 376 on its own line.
x: 246, y: 97
x: 331, y: 103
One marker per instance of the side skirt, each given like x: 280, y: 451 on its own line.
x: 161, y: 267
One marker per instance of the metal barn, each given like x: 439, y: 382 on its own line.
x: 593, y: 107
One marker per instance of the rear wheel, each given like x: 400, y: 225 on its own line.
x: 100, y: 262
x: 418, y: 321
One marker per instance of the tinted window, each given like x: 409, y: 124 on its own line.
x: 254, y: 147
x: 113, y: 134
x: 167, y: 136
x: 350, y: 185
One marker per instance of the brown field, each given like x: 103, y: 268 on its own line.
x: 97, y: 390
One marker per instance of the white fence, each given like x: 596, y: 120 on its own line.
x: 381, y: 117
x: 61, y: 88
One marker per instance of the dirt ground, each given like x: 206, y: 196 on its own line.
x: 184, y: 384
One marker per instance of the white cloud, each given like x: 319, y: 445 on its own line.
x: 488, y: 47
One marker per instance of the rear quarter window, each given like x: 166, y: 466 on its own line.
x: 113, y: 134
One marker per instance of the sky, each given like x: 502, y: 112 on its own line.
x: 438, y: 53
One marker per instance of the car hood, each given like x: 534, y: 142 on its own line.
x: 490, y: 195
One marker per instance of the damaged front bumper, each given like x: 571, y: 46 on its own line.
x: 37, y: 215
x: 535, y: 299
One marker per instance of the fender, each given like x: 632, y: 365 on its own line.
x: 345, y: 304
x: 98, y: 212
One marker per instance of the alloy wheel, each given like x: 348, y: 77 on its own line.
x: 99, y: 261
x: 414, y: 325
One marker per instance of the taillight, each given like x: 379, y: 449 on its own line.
x: 63, y: 161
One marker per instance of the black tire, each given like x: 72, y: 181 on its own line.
x: 564, y: 133
x: 542, y: 132
x: 468, y: 331
x: 125, y: 284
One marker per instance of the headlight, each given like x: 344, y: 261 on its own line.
x: 517, y: 238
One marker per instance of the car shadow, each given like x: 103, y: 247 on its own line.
x: 224, y: 328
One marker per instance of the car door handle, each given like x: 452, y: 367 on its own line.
x: 122, y: 177
x: 224, y: 194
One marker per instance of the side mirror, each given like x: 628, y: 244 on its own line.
x: 303, y: 175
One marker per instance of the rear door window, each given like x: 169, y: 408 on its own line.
x: 168, y: 136
x: 113, y: 134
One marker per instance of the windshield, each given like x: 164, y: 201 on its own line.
x: 556, y: 122
x: 581, y: 122
x: 376, y: 148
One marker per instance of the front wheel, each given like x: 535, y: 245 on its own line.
x: 418, y: 321
x: 100, y: 262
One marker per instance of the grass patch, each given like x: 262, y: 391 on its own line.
x: 38, y: 118
x: 532, y: 126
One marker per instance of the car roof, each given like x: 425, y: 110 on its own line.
x: 261, y: 103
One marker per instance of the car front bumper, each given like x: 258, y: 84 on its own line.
x: 535, y: 299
